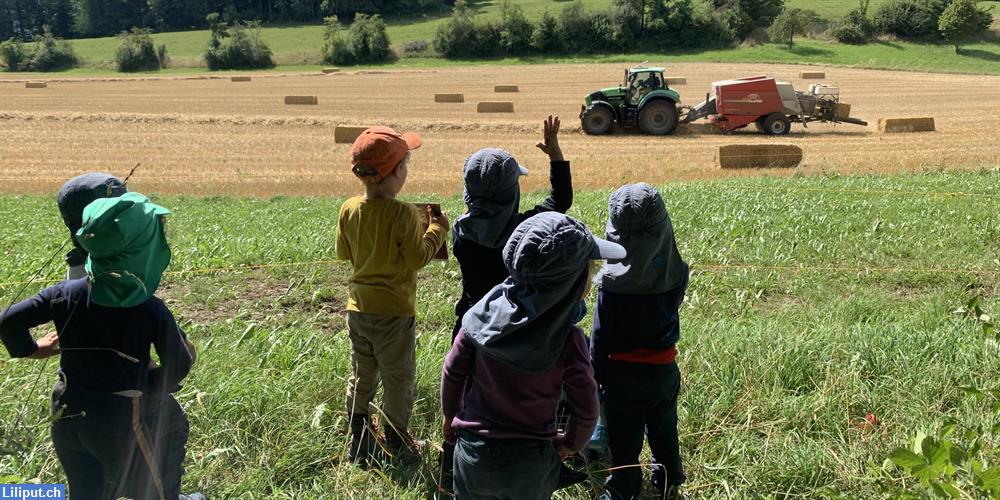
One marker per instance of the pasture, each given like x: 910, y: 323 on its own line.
x: 819, y: 295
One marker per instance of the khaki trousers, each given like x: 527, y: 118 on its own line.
x: 382, y: 348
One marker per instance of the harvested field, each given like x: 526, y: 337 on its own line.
x: 206, y: 136
x: 759, y: 156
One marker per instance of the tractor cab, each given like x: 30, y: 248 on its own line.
x: 642, y: 81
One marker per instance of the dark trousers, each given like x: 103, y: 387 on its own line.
x: 504, y: 469
x: 95, y: 438
x: 641, y: 401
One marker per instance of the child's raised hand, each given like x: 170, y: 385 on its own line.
x: 47, y: 346
x: 550, y: 139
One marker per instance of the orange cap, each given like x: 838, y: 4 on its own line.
x: 382, y: 149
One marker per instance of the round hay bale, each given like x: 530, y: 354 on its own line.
x: 449, y: 97
x: 495, y: 107
x: 904, y: 125
x: 759, y: 156
x: 309, y: 100
x: 346, y: 134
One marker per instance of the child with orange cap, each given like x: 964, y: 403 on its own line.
x: 386, y: 243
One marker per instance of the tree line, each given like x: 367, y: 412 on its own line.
x: 26, y: 19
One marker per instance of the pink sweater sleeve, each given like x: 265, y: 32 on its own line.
x: 581, y: 392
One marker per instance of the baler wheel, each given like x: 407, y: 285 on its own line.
x: 777, y: 124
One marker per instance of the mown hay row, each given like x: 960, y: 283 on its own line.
x: 812, y: 75
x: 346, y: 134
x: 677, y: 80
x: 495, y: 107
x: 759, y: 156
x: 35, y: 85
x: 449, y: 97
x: 903, y: 125
x: 302, y: 99
x: 506, y: 88
x: 698, y: 128
x: 240, y: 79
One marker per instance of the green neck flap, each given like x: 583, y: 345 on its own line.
x: 127, y: 248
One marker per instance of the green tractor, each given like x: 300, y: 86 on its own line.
x: 643, y: 101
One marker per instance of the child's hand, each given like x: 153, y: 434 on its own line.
x: 47, y: 346
x: 560, y: 443
x: 550, y: 139
x: 449, y: 433
x: 440, y: 219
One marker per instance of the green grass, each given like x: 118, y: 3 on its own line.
x: 779, y: 364
x: 297, y: 47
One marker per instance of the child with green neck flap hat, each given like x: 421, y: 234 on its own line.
x: 105, y: 325
x: 634, y: 343
x: 386, y: 244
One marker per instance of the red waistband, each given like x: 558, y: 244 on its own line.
x: 649, y: 356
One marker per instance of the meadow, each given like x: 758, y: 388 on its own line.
x: 297, y: 47
x: 814, y: 302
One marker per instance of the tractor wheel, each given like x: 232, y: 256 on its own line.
x: 596, y: 120
x: 658, y: 118
x: 776, y: 124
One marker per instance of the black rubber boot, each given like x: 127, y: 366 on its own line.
x: 364, y: 447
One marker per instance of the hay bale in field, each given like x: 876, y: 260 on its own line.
x: 240, y: 79
x: 843, y: 110
x: 759, y: 156
x: 346, y: 134
x: 449, y: 97
x: 703, y: 128
x: 327, y: 71
x: 677, y: 80
x: 495, y: 107
x: 301, y: 99
x: 812, y: 75
x: 506, y: 88
x: 35, y: 85
x: 901, y: 125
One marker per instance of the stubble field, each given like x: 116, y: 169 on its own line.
x: 212, y: 136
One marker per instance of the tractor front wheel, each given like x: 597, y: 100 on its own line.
x: 596, y: 120
x: 776, y: 124
x: 658, y: 118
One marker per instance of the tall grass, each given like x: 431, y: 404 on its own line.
x: 780, y: 366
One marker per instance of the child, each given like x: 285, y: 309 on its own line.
x: 163, y: 416
x: 386, y: 244
x: 105, y: 325
x: 492, y: 195
x: 73, y: 197
x: 517, y: 351
x: 636, y: 328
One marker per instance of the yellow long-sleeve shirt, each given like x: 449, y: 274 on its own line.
x: 386, y: 244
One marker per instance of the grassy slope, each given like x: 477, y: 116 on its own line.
x: 297, y: 48
x: 778, y: 365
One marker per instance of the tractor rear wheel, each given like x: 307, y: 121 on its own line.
x: 658, y: 118
x: 596, y: 120
x: 776, y: 124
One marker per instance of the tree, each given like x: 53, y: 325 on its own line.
x: 963, y: 21
x: 789, y: 23
x: 546, y: 38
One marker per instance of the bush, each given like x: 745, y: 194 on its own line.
x: 137, y: 53
x: 789, y: 23
x: 369, y: 40
x: 855, y: 28
x: 963, y: 21
x: 237, y: 46
x: 738, y: 21
x: 515, y: 29
x: 14, y: 55
x: 582, y: 32
x: 546, y: 38
x: 906, y: 18
x: 415, y: 48
x: 336, y: 48
x: 455, y: 37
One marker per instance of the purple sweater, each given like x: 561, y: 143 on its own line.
x: 505, y: 403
